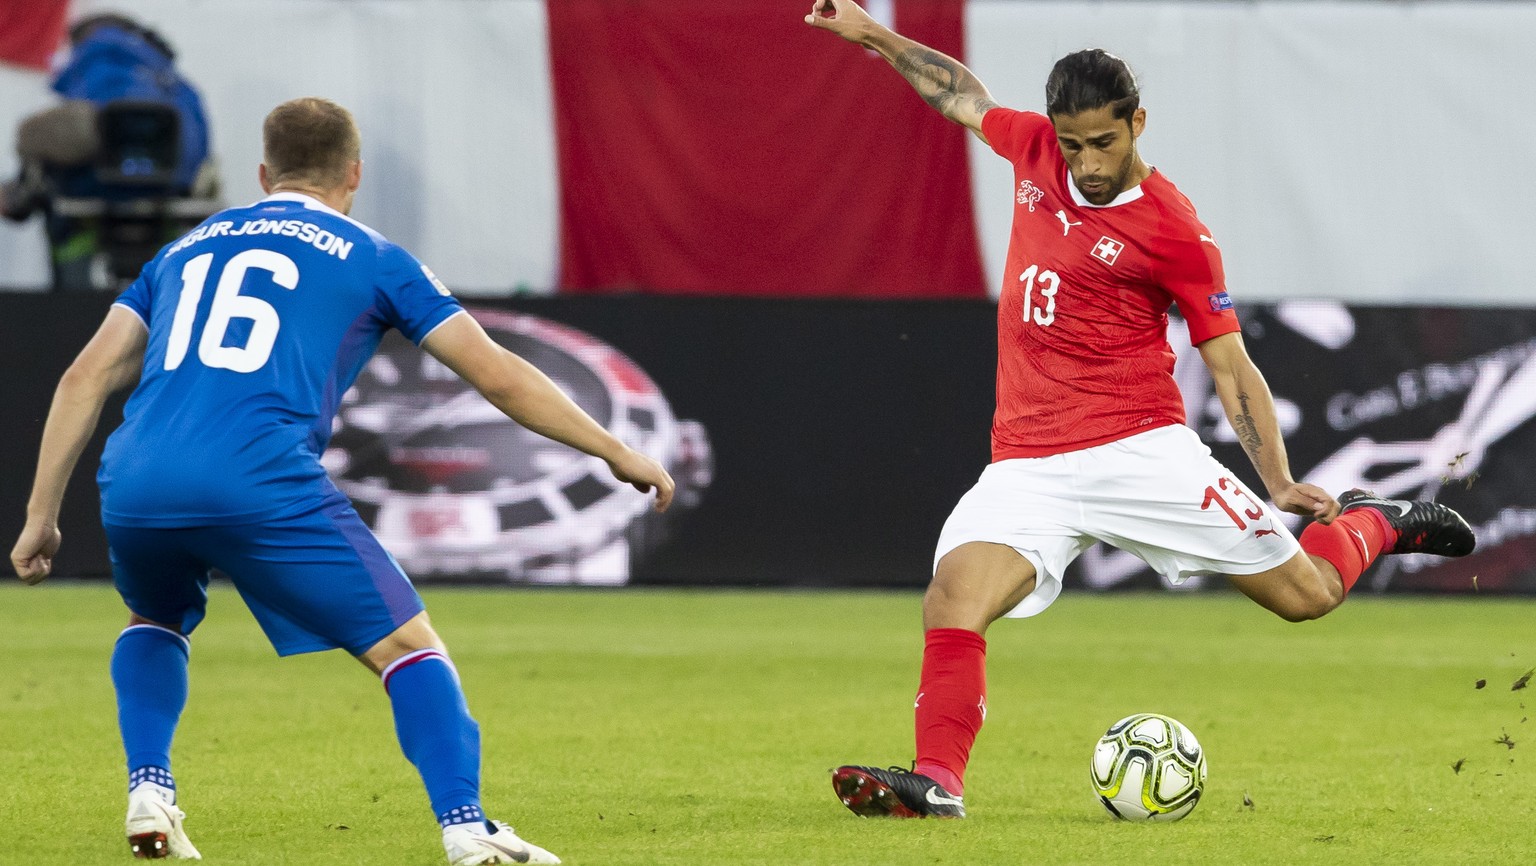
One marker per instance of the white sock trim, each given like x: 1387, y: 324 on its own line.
x: 411, y: 658
x: 176, y: 634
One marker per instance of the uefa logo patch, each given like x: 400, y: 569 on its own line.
x: 1107, y: 249
x: 1220, y: 301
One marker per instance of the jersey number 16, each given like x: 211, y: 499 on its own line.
x: 228, y: 306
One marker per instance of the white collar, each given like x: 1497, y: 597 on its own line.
x: 308, y: 201
x: 1126, y: 196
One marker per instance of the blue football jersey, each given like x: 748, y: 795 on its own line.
x: 259, y: 321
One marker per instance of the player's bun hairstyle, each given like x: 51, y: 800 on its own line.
x: 1091, y: 79
x: 310, y: 140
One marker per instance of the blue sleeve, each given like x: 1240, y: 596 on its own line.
x: 137, y: 297
x: 411, y: 298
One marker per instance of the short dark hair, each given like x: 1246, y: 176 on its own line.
x: 1090, y: 79
x: 310, y: 140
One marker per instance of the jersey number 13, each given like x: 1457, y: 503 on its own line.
x: 228, y: 306
x: 1044, y: 307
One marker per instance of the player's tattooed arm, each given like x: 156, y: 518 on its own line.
x: 942, y: 81
x: 1250, y: 408
x: 1247, y: 431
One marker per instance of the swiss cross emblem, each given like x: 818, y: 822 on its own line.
x: 1107, y: 250
x: 1029, y: 194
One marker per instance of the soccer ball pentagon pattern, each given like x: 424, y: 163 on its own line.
x: 1148, y: 767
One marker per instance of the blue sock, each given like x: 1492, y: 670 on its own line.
x: 149, y: 672
x: 437, y: 733
x: 155, y: 775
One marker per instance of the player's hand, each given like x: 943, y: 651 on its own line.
x: 644, y: 474
x: 1308, y: 500
x: 843, y: 17
x: 32, y: 557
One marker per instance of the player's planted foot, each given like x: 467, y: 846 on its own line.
x: 1421, y: 526
x: 870, y: 792
x: 484, y: 842
x: 154, y: 826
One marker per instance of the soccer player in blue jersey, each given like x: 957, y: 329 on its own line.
x: 242, y: 338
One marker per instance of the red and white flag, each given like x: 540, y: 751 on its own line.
x: 694, y: 160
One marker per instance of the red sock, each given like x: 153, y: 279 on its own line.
x: 951, y: 704
x: 1350, y: 543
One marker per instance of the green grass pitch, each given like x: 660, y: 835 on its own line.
x: 666, y: 727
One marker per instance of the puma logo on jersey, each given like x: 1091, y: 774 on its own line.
x: 1207, y: 239
x: 1066, y: 226
x: 1029, y: 194
x: 1260, y: 533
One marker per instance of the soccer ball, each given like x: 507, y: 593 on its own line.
x: 1148, y: 767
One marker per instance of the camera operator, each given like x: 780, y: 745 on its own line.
x: 112, y: 59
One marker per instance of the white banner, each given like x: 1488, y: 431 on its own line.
x: 1371, y: 152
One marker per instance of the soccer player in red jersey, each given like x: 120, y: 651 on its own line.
x: 1089, y: 442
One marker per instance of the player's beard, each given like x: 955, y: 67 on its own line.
x: 1112, y: 185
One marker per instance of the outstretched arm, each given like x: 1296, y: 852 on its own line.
x: 942, y: 81
x: 1251, y: 409
x: 110, y: 361
x: 524, y: 394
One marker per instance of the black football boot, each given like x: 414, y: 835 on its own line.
x: 1422, y: 526
x: 896, y: 793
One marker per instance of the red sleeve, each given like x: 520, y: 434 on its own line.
x: 1015, y: 134
x: 1190, y: 270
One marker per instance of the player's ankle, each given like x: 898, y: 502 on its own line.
x: 948, y: 779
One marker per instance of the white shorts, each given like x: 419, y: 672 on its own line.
x: 1158, y: 494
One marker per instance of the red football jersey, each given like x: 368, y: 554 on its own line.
x: 1082, y: 323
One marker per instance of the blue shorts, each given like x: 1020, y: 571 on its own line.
x: 315, y: 582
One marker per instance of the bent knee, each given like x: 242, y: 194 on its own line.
x: 416, y: 634
x: 942, y: 605
x: 1308, y: 603
x: 974, y: 585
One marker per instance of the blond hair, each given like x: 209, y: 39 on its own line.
x: 311, y: 141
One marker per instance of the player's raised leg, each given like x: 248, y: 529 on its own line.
x: 442, y: 739
x: 1334, y: 555
x: 1305, y: 587
x: 973, y: 585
